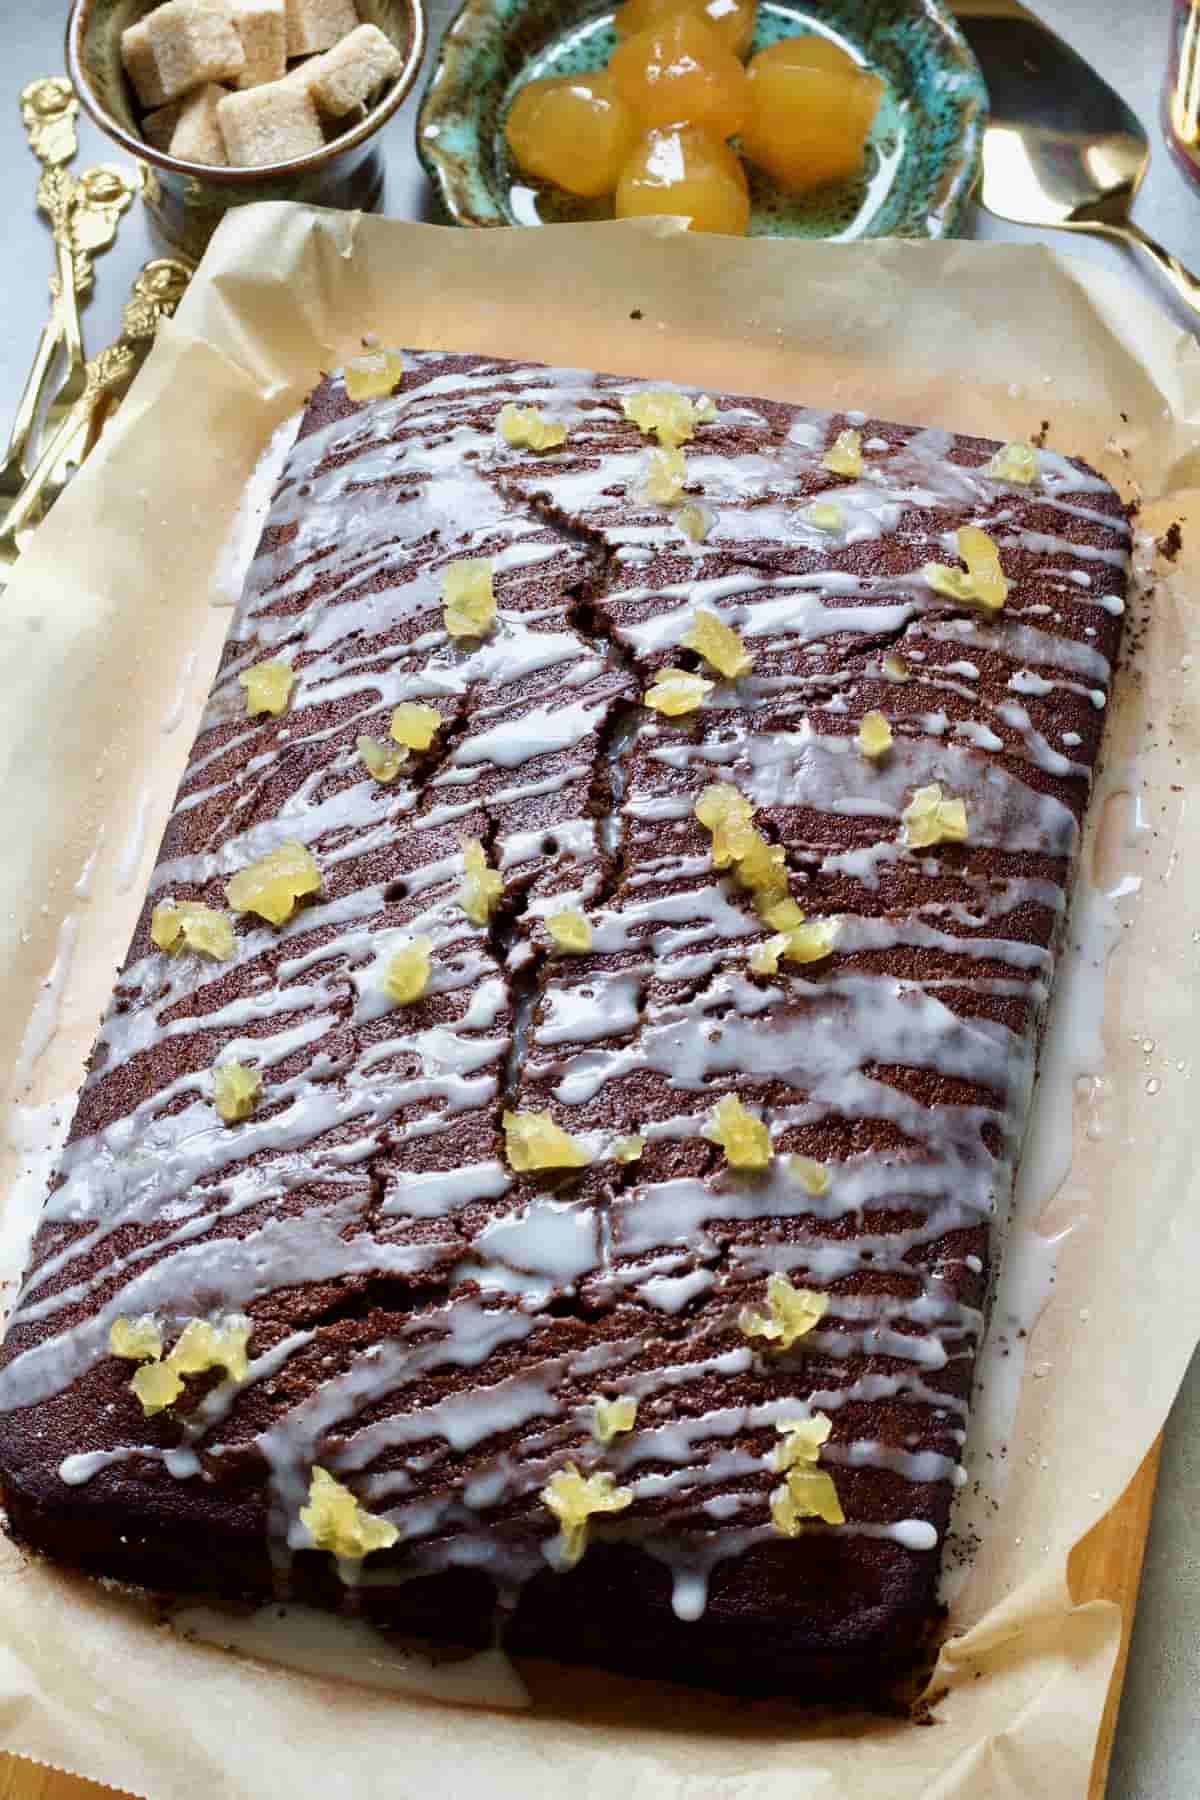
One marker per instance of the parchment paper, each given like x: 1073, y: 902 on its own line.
x: 108, y: 637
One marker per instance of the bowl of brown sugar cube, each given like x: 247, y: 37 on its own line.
x: 231, y: 101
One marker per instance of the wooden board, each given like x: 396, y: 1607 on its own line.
x: 1106, y: 1565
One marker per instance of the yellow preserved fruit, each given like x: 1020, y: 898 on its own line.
x: 666, y: 472
x: 791, y: 1314
x: 615, y: 1417
x: 744, y: 1139
x: 406, y: 977
x: 810, y: 110
x: 187, y: 925
x: 984, y: 582
x: 813, y: 1176
x: 268, y: 687
x: 732, y: 20
x: 271, y: 886
x: 469, y: 608
x: 203, y: 1346
x: 844, y: 456
x: 533, y: 1141
x: 577, y: 131
x: 676, y: 692
x: 684, y: 170
x: 236, y: 1091
x: 761, y: 866
x: 808, y: 943
x: 718, y: 644
x: 930, y: 818
x: 824, y: 515
x: 481, y: 887
x: 374, y: 376
x: 720, y: 809
x: 137, y: 1340
x: 801, y: 1441
x: 525, y: 428
x: 807, y: 1491
x: 629, y: 1149
x: 574, y: 1498
x: 782, y: 915
x: 874, y: 735
x: 157, y: 1386
x: 384, y: 761
x: 1016, y: 462
x: 571, y: 932
x: 679, y: 69
x: 694, y: 521
x: 896, y: 669
x: 670, y: 417
x: 336, y: 1522
x: 415, y: 726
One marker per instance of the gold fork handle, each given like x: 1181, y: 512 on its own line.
x: 105, y: 374
x: 35, y: 382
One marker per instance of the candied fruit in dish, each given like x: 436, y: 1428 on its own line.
x: 983, y: 583
x: 336, y: 1522
x: 874, y: 735
x: 1015, y: 462
x: 573, y: 1498
x: 844, y: 456
x: 525, y: 428
x: 271, y: 886
x: 374, y: 376
x: 415, y: 726
x: 571, y: 932
x: 236, y: 1091
x: 533, y: 1141
x: 813, y: 1176
x: 810, y: 109
x: 384, y: 761
x: 203, y: 1346
x: 481, y: 886
x: 188, y: 925
x: 470, y: 601
x: 732, y: 20
x: 718, y: 644
x: 744, y: 1138
x: 157, y: 1385
x: 670, y: 417
x: 268, y: 686
x: 576, y: 131
x: 929, y: 818
x: 137, y: 1340
x: 791, y: 1313
x: 666, y: 473
x: 688, y: 171
x: 678, y: 71
x: 406, y: 977
x: 676, y: 692
x: 614, y: 1417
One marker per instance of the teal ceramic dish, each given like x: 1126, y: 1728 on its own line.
x: 922, y: 157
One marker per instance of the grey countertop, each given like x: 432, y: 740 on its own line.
x: 1158, y: 1741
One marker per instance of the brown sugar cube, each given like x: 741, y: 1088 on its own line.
x: 269, y: 124
x: 347, y: 75
x: 197, y: 137
x: 318, y: 24
x: 138, y: 56
x: 262, y: 27
x: 194, y: 41
x: 158, y: 128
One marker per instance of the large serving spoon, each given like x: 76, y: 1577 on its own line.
x: 1061, y: 147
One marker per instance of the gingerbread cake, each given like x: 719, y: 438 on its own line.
x: 545, y: 1153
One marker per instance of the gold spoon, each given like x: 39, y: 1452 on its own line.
x: 1061, y: 147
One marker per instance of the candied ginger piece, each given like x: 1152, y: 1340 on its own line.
x: 719, y: 809
x: 1015, y: 462
x: 695, y: 521
x: 984, y: 582
x: 782, y: 915
x: 415, y: 726
x: 570, y: 931
x: 666, y: 473
x: 764, y: 958
x: 761, y: 866
x: 671, y: 418
x: 137, y: 1340
x: 874, y: 735
x: 157, y: 1385
x: 929, y: 819
x: 470, y: 599
x: 744, y: 1139
x: 573, y: 1498
x: 802, y: 1440
x: 375, y: 376
x: 187, y: 925
x: 525, y: 429
x: 806, y: 1494
x: 614, y: 1417
x: 718, y: 644
x: 676, y: 691
x: 268, y: 687
x: 271, y: 886
x: 406, y: 977
x: 533, y: 1141
x: 792, y: 1313
x: 236, y: 1091
x: 203, y: 1346
x: 813, y: 1176
x: 336, y: 1522
x: 629, y: 1149
x: 824, y: 515
x: 384, y: 761
x: 481, y: 886
x: 896, y: 669
x: 844, y: 456
x: 813, y: 941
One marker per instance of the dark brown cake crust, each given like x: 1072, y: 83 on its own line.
x: 434, y: 1327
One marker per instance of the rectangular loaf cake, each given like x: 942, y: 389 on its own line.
x: 557, y: 1177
